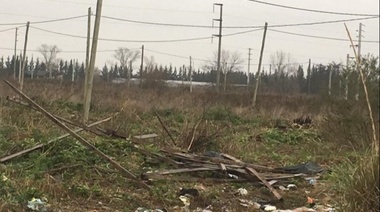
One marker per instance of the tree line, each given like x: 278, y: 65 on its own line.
x: 331, y: 79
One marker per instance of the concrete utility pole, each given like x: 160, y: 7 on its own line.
x: 359, y: 56
x: 308, y: 77
x: 219, y: 45
x: 87, y: 51
x: 191, y: 77
x: 249, y: 66
x: 142, y: 65
x: 15, y: 56
x: 24, y: 56
x: 92, y: 61
x: 258, y: 70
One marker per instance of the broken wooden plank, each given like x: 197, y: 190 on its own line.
x: 116, y: 165
x: 265, y: 182
x: 183, y: 170
x: 231, y: 158
x: 9, y: 157
x: 166, y: 130
x: 146, y: 136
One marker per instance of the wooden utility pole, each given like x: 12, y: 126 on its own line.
x: 191, y: 76
x: 219, y: 46
x: 24, y: 56
x: 19, y: 68
x: 142, y: 65
x: 87, y: 50
x: 308, y: 77
x: 330, y: 76
x: 129, y: 74
x: 258, y: 70
x: 92, y: 61
x: 15, y: 56
x: 249, y: 67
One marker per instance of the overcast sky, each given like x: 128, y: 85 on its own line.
x: 191, y: 12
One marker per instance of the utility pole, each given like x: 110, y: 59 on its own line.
x: 19, y: 68
x: 348, y: 74
x: 219, y: 45
x: 308, y: 77
x: 249, y: 67
x: 359, y: 56
x: 92, y: 61
x: 87, y: 51
x: 15, y: 56
x: 191, y: 77
x: 258, y: 70
x: 24, y: 56
x: 142, y: 65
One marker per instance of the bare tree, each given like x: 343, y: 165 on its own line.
x: 283, y: 63
x: 149, y: 63
x: 49, y: 52
x: 230, y: 62
x: 126, y: 57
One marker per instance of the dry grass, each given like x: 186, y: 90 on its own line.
x: 358, y: 184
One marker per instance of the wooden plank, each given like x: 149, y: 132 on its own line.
x: 83, y: 141
x: 183, y: 170
x: 147, y: 136
x: 9, y: 157
x: 231, y: 158
x: 265, y: 182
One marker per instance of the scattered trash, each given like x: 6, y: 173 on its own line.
x: 242, y: 191
x: 186, y: 202
x: 288, y: 187
x: 268, y: 208
x: 3, y: 178
x: 246, y: 203
x: 310, y: 167
x: 141, y: 209
x: 189, y: 192
x: 311, y: 202
x: 233, y: 176
x: 207, y: 209
x: 312, y: 181
x: 37, y: 205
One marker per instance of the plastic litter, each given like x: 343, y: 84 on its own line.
x: 189, y: 192
x: 268, y: 208
x: 312, y: 181
x: 242, y: 191
x: 141, y: 209
x: 37, y: 205
x: 306, y: 168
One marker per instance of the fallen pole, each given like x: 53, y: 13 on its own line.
x: 9, y: 157
x: 116, y: 165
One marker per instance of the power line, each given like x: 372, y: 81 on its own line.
x: 235, y: 27
x: 311, y: 10
x: 144, y: 41
x: 46, y: 21
x: 321, y: 22
x: 320, y: 37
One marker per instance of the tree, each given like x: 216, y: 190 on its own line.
x: 126, y: 56
x: 229, y: 62
x: 49, y: 52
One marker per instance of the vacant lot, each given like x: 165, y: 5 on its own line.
x: 72, y: 178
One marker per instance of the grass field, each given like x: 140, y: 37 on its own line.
x: 72, y: 178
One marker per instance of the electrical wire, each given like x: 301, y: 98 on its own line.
x: 235, y: 27
x: 46, y: 21
x: 144, y: 41
x: 311, y: 10
x: 319, y: 37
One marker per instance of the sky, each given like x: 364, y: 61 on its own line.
x: 236, y: 13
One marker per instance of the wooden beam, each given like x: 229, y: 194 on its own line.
x: 264, y: 181
x: 84, y: 142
